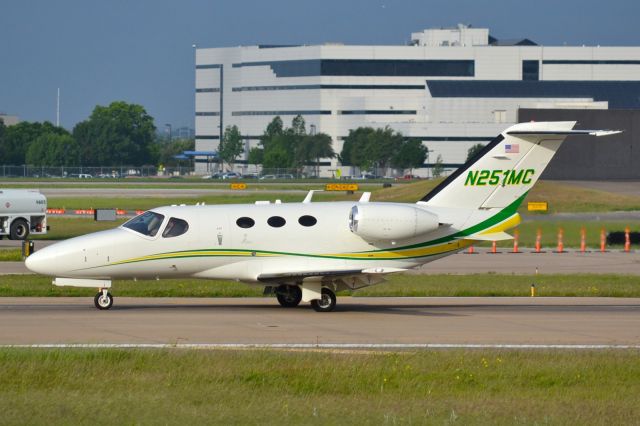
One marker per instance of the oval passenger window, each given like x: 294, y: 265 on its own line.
x: 307, y: 220
x: 245, y: 222
x: 276, y: 221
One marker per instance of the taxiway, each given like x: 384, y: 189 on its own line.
x: 358, y: 321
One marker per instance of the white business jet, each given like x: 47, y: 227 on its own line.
x: 309, y: 251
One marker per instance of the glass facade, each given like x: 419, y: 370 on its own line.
x: 298, y: 112
x: 531, y: 70
x: 619, y: 94
x: 369, y: 67
x: 332, y: 86
x: 379, y: 112
x: 589, y: 62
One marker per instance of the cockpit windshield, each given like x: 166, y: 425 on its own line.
x: 147, y: 223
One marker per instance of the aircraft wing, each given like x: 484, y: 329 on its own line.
x: 352, y: 278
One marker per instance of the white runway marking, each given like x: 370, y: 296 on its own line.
x: 382, y: 346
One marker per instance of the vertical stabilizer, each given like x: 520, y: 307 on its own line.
x: 506, y: 168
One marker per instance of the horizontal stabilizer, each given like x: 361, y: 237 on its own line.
x: 494, y: 236
x: 564, y: 132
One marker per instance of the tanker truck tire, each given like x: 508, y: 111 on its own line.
x: 19, y: 230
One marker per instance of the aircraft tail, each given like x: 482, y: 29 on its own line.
x: 507, y: 168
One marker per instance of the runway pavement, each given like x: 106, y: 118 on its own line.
x: 358, y: 321
x: 14, y: 244
x: 613, y: 262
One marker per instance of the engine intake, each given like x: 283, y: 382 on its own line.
x: 379, y: 222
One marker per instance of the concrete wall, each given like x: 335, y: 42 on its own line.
x: 589, y: 158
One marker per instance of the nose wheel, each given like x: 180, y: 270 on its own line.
x: 103, y: 300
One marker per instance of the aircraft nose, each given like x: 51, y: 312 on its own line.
x: 37, y: 262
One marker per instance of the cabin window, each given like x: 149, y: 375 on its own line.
x: 245, y: 222
x: 276, y: 221
x: 175, y: 227
x: 147, y: 223
x: 307, y: 220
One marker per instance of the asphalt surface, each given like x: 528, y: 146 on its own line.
x: 12, y: 244
x: 52, y: 193
x: 612, y: 262
x: 491, y: 321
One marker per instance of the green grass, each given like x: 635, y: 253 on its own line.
x: 569, y: 198
x: 584, y: 285
x: 319, y: 387
x: 10, y: 255
x: 68, y: 227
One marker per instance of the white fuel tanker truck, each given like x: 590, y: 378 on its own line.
x: 22, y: 212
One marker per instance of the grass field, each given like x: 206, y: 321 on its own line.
x: 398, y: 285
x: 68, y: 227
x: 319, y: 387
x: 10, y: 255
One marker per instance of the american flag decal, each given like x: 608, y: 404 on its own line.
x: 512, y: 148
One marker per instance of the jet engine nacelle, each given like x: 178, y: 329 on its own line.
x: 379, y: 222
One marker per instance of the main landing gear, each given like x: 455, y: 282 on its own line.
x: 103, y: 299
x: 290, y: 296
x: 327, y: 303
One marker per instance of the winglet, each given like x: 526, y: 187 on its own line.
x: 365, y: 197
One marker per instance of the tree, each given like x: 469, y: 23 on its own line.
x: 438, y: 167
x: 368, y: 148
x: 119, y: 134
x: 320, y: 146
x: 411, y: 154
x: 276, y: 157
x: 275, y: 127
x: 256, y: 156
x: 298, y: 125
x: 474, y: 150
x: 231, y: 145
x: 52, y: 149
x: 16, y: 139
x: 167, y: 150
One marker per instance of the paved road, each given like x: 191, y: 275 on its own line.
x: 11, y: 244
x: 53, y: 193
x: 356, y: 320
x: 614, y: 262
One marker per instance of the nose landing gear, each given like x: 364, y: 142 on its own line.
x: 103, y: 299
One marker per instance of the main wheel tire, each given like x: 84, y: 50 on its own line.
x: 289, y: 296
x: 327, y: 303
x: 19, y: 230
x: 103, y: 301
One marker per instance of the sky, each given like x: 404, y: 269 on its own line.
x: 140, y: 51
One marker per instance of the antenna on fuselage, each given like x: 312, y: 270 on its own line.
x: 309, y: 196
